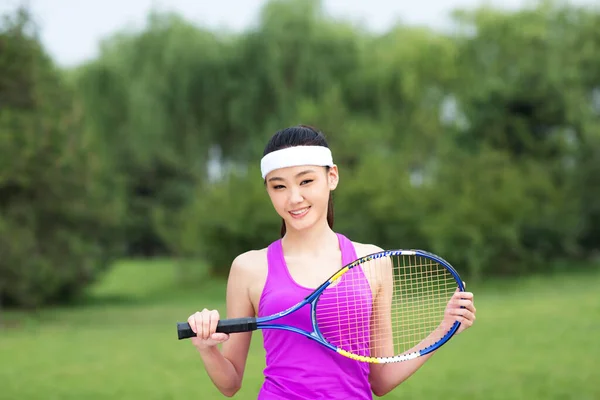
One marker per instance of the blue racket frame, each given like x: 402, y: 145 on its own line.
x: 252, y: 323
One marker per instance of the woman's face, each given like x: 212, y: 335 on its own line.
x: 300, y: 194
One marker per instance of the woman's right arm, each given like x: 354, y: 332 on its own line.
x: 226, y: 367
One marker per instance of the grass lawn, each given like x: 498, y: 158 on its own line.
x: 535, y: 338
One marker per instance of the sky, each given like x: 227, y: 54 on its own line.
x: 71, y: 29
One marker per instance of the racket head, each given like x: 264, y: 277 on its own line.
x: 388, y: 306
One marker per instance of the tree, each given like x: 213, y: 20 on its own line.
x: 59, y: 206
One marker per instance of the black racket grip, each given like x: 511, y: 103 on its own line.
x: 232, y: 325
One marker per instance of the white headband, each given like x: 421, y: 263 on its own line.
x: 294, y: 156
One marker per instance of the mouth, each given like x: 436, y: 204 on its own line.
x: 300, y: 212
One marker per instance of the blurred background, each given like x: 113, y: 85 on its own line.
x: 130, y: 141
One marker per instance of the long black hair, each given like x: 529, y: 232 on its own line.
x: 300, y: 135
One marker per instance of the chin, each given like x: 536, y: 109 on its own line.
x: 302, y: 225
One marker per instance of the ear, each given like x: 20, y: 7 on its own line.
x: 333, y: 177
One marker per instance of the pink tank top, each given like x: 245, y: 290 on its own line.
x: 298, y: 368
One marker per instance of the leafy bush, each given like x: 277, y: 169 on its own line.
x: 59, y: 204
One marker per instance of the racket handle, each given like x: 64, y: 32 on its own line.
x: 232, y: 325
x: 184, y: 331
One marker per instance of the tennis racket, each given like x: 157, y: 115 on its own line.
x: 385, y: 307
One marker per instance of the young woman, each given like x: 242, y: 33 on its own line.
x: 299, y: 175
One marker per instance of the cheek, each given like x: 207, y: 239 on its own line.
x: 278, y: 200
x: 320, y: 195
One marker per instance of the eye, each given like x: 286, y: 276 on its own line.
x: 277, y: 187
x: 306, y: 181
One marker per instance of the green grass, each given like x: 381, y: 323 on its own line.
x: 535, y: 338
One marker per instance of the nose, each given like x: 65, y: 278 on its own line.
x: 296, y: 196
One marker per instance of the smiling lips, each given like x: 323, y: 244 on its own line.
x: 299, y: 213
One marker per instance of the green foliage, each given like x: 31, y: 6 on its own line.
x: 481, y: 145
x: 473, y: 145
x: 153, y: 97
x: 587, y: 185
x: 530, y: 97
x: 58, y: 203
x: 225, y: 219
x: 494, y: 215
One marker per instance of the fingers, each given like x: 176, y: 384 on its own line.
x: 462, y: 303
x: 462, y: 295
x: 461, y: 298
x: 219, y: 337
x: 464, y: 322
x: 462, y: 308
x: 464, y: 316
x: 471, y: 307
x: 462, y: 312
x: 192, y: 322
x: 213, y: 320
x: 204, y: 323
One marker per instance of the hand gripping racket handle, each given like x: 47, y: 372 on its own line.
x: 232, y: 325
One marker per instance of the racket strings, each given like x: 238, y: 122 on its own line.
x: 386, y: 306
x: 419, y: 310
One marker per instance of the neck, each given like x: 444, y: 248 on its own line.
x: 315, y: 241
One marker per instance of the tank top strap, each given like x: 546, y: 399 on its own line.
x: 276, y: 266
x: 277, y: 272
x: 347, y: 249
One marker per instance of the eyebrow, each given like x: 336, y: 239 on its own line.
x: 276, y: 178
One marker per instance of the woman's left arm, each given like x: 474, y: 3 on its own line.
x: 385, y: 377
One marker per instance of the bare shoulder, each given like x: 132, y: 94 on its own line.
x: 249, y: 274
x: 373, y: 271
x: 250, y: 262
x: 363, y: 249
